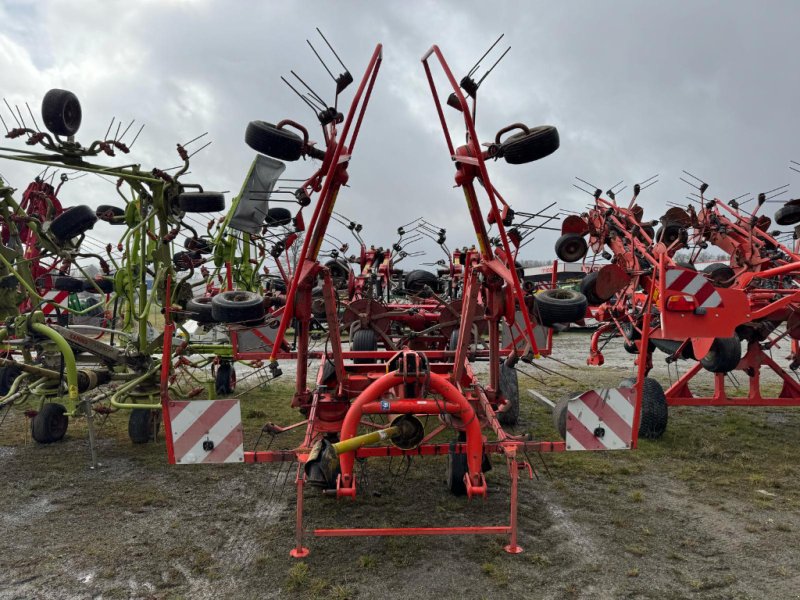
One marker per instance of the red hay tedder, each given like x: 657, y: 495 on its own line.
x: 700, y: 316
x: 399, y: 377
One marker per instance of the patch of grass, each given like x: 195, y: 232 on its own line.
x: 496, y: 573
x: 367, y: 561
x: 636, y: 496
x: 711, y: 584
x: 202, y: 563
x: 133, y: 495
x: 636, y: 550
x: 633, y: 572
x: 341, y: 592
x: 539, y: 559
x: 298, y: 576
x: 672, y: 555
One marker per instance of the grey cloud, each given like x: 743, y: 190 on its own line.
x: 636, y: 88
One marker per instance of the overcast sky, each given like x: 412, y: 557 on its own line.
x: 635, y: 88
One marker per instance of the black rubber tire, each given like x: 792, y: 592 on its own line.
x: 340, y: 272
x: 50, y: 424
x: 364, y: 340
x: 237, y: 306
x: 200, y: 309
x: 451, y: 345
x: 631, y: 333
x: 454, y: 473
x: 571, y: 247
x: 650, y: 231
x: 267, y: 139
x: 73, y: 222
x: 655, y: 412
x: 318, y: 304
x: 509, y: 389
x: 110, y: 214
x: 225, y: 379
x: 788, y: 215
x: 560, y: 414
x: 588, y: 287
x: 143, y: 425
x: 183, y: 261
x: 198, y: 245
x: 671, y: 347
x: 669, y: 233
x: 65, y: 283
x: 720, y: 274
x: 106, y: 285
x: 538, y: 142
x: 559, y: 306
x: 201, y: 202
x: 417, y: 279
x: 95, y: 308
x: 724, y: 355
x: 7, y: 377
x: 278, y: 217
x: 61, y: 112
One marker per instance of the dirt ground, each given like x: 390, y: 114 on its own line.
x: 712, y: 510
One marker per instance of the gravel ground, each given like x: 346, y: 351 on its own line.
x: 710, y: 511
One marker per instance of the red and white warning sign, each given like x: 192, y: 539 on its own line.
x: 694, y: 284
x: 205, y: 431
x: 601, y: 419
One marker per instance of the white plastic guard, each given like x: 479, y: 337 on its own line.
x: 206, y: 431
x: 601, y: 419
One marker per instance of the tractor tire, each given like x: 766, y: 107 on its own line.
x: 417, y: 279
x: 535, y: 144
x: 559, y: 306
x: 73, y: 222
x: 788, y: 215
x: 143, y: 425
x: 65, y: 283
x: 237, y: 306
x: 110, y: 214
x: 571, y: 247
x: 225, y: 380
x: 454, y: 475
x: 50, y: 424
x: 720, y: 274
x: 106, y: 285
x: 655, y: 412
x: 201, y: 202
x: 278, y: 143
x: 509, y: 389
x: 61, y: 112
x: 364, y: 340
x: 278, y: 217
x: 650, y: 231
x: 200, y: 309
x: 8, y: 375
x: 588, y: 287
x: 724, y: 355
